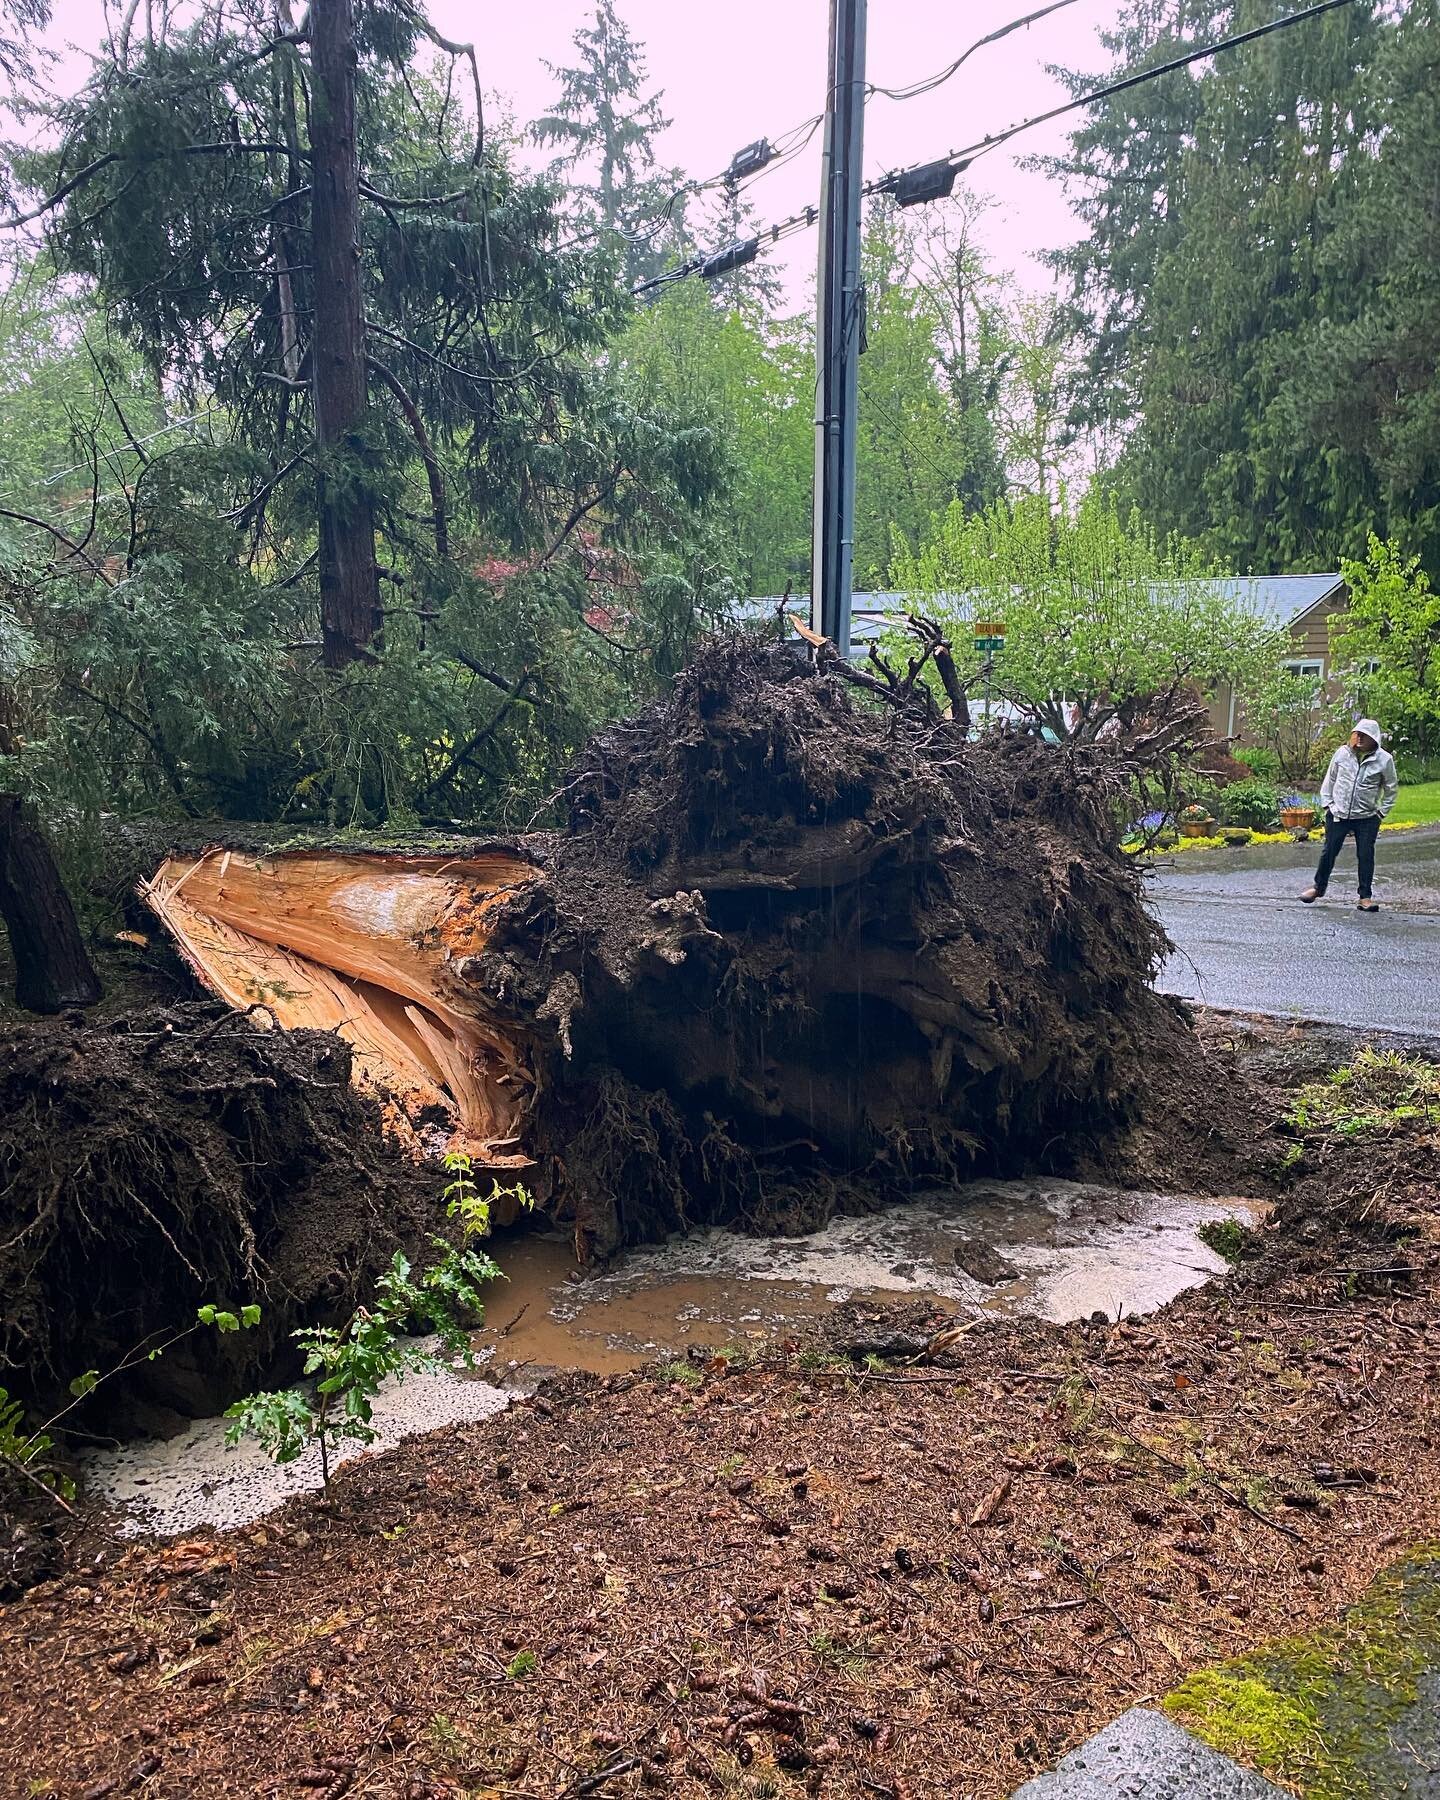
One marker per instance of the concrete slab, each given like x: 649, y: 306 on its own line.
x: 1143, y: 1756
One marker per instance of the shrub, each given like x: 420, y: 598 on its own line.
x: 1252, y: 803
x: 1260, y: 760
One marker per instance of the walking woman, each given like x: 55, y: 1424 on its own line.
x: 1359, y: 789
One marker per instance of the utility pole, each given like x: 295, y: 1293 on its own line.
x: 839, y: 318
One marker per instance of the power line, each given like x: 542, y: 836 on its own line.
x: 765, y: 155
x: 930, y: 82
x: 982, y: 146
x: 917, y: 182
x: 45, y: 481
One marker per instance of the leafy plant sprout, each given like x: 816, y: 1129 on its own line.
x: 352, y: 1360
x: 27, y: 1453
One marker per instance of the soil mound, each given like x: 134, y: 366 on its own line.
x: 797, y: 950
x: 180, y: 1156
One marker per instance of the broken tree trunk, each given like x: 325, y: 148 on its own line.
x: 792, y: 952
x: 52, y: 967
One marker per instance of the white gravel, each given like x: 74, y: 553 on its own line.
x: 194, y: 1482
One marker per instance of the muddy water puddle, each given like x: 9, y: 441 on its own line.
x: 1053, y: 1249
x: 1050, y: 1249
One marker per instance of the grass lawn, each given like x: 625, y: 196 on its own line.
x: 1417, y: 805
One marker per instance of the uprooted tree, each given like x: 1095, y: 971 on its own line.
x: 797, y: 946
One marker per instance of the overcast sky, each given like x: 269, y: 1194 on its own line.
x: 735, y: 70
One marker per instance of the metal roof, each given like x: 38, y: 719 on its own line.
x: 1277, y: 599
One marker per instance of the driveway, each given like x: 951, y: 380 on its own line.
x: 1243, y: 940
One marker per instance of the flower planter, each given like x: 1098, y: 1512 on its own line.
x: 1196, y: 827
x: 1297, y: 818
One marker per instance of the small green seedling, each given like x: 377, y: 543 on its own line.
x: 353, y: 1360
x: 29, y: 1453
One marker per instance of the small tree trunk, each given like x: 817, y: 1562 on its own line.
x: 349, y: 580
x: 52, y: 968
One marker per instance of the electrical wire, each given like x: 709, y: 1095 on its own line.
x: 930, y: 82
x: 983, y: 146
x: 963, y: 158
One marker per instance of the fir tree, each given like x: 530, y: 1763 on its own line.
x: 606, y: 125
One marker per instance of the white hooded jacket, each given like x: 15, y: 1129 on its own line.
x: 1360, y: 787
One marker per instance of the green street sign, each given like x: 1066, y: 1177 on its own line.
x: 989, y: 643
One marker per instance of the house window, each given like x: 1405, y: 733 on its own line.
x: 1312, y: 668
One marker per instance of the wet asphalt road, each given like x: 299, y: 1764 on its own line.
x: 1243, y: 940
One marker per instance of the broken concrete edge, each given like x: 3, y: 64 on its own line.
x: 1147, y: 1756
x: 1347, y: 1708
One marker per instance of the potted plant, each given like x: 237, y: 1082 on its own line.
x: 1235, y: 837
x: 1296, y: 813
x: 1195, y: 821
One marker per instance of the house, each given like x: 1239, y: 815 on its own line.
x: 1303, y: 606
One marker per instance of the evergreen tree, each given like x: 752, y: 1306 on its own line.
x: 1243, y: 288
x: 1123, y: 174
x: 494, y: 468
x: 1363, y: 378
x: 605, y: 125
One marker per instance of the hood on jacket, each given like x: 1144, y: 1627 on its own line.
x: 1371, y: 730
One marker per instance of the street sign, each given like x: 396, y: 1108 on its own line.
x: 989, y: 635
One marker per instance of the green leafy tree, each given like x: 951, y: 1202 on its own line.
x: 1291, y: 716
x: 1387, y: 641
x: 1104, y: 623
x: 752, y: 383
x: 924, y: 432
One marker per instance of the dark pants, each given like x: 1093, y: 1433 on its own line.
x: 1336, y: 831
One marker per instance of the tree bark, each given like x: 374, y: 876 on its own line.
x: 52, y: 967
x: 349, y: 580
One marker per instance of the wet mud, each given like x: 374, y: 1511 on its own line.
x: 1056, y: 1250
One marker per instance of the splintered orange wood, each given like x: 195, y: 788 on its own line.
x: 371, y: 947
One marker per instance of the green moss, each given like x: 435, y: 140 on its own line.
x: 1227, y: 1238
x: 1317, y: 1712
x: 1245, y: 1717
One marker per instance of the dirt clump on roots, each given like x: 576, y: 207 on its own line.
x: 153, y: 1163
x: 796, y: 951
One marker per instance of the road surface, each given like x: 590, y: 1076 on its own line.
x: 1243, y: 940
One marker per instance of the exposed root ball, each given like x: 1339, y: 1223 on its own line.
x: 179, y: 1157
x: 798, y: 951
x: 795, y: 951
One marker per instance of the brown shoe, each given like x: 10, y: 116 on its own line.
x: 1367, y: 906
x: 1310, y: 896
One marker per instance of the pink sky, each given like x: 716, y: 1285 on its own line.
x: 744, y: 69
